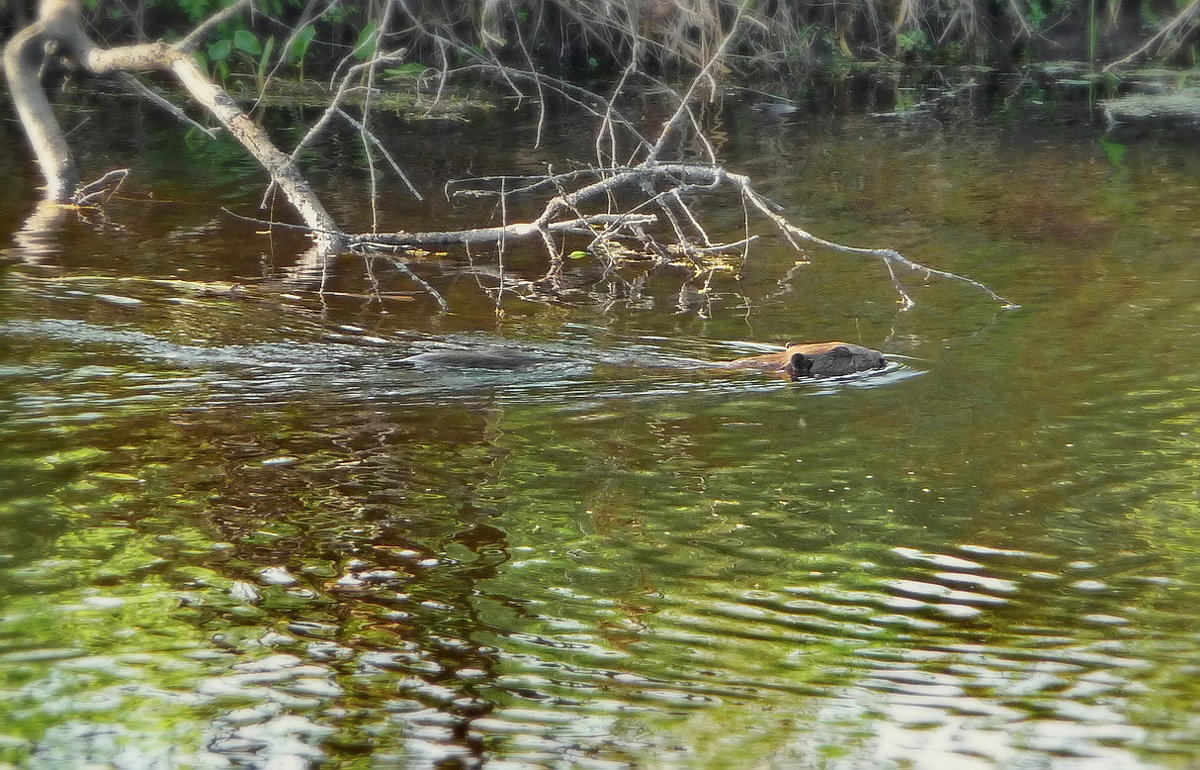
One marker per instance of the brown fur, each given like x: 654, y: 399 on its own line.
x: 814, y: 359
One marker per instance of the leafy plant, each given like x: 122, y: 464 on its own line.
x: 300, y: 43
x: 914, y: 41
x: 368, y: 41
x: 264, y: 60
x: 1115, y: 152
x: 1036, y: 15
x: 218, y: 57
x: 247, y: 42
x: 197, y: 9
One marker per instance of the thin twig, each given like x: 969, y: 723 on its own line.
x: 306, y: 17
x: 1179, y: 20
x: 404, y: 268
x: 105, y: 187
x: 340, y: 94
x: 383, y: 150
x: 131, y: 80
x: 685, y: 101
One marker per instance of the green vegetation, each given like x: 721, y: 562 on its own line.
x: 592, y: 37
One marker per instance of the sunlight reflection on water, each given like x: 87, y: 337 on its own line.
x: 240, y: 530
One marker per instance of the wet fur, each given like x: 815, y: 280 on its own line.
x: 814, y: 359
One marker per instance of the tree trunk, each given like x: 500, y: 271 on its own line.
x: 58, y: 32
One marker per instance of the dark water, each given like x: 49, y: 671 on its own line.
x: 237, y: 533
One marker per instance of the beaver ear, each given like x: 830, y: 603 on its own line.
x: 799, y: 366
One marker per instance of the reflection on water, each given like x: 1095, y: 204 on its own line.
x: 240, y: 530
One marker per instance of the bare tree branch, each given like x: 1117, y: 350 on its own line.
x: 161, y: 101
x: 591, y: 203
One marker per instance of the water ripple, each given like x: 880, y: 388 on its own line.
x: 276, y: 372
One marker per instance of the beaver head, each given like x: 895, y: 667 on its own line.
x: 841, y: 359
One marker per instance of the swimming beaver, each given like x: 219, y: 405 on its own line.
x: 814, y: 359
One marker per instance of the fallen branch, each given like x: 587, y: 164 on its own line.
x: 492, y: 235
x: 105, y: 187
x: 680, y: 177
x: 154, y: 97
x: 582, y: 202
x: 59, y: 27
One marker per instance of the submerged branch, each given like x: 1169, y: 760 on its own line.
x: 495, y: 235
x: 889, y: 256
x: 105, y: 187
x: 679, y: 178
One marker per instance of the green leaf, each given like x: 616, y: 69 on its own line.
x: 247, y: 42
x: 1115, y: 151
x: 264, y: 61
x: 299, y: 47
x: 219, y: 51
x: 578, y: 255
x: 195, y: 9
x: 367, y: 42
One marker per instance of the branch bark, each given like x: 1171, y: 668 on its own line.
x: 282, y: 168
x: 59, y: 31
x: 494, y: 235
x: 55, y: 31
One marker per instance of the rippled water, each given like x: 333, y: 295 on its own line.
x: 239, y: 532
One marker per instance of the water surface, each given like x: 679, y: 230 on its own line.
x: 236, y: 533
